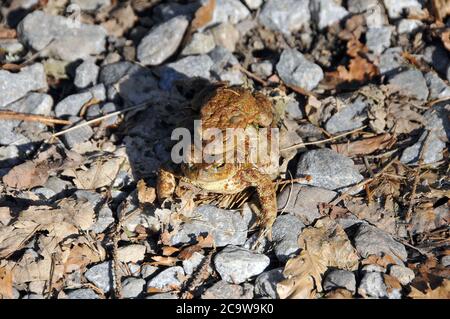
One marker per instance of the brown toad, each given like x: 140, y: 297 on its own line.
x: 225, y: 108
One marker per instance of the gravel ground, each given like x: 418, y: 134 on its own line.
x: 361, y: 88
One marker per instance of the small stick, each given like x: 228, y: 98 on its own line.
x: 131, y: 108
x: 362, y: 183
x: 416, y: 181
x: 322, y: 141
x: 252, y: 76
x: 50, y: 121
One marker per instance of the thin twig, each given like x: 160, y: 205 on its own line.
x: 322, y: 141
x: 412, y: 197
x: 251, y: 75
x: 362, y: 183
x: 101, y: 118
x: 50, y: 121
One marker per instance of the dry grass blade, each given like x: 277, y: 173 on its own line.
x: 50, y: 121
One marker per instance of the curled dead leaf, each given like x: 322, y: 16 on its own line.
x: 365, y: 146
x: 146, y: 194
x: 203, y: 15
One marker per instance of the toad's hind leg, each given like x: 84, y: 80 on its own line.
x: 267, y: 198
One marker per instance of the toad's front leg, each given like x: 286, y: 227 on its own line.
x: 267, y: 198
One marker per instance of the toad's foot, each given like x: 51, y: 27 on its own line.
x: 267, y: 198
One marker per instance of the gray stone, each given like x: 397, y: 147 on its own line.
x: 253, y: 4
x: 326, y: 12
x: 266, y: 283
x: 402, y: 273
x: 200, y: 43
x: 9, y: 156
x: 33, y: 103
x: 370, y: 240
x: 436, y: 134
x: 372, y: 285
x: 340, y: 279
x: 411, y: 83
x: 79, y: 135
x: 92, y: 197
x: 408, y: 25
x: 225, y: 290
x: 131, y: 253
x: 445, y: 261
x: 191, y: 264
x: 225, y: 35
x: 437, y: 87
x: 236, y: 264
x: 91, y: 5
x: 263, y: 69
x: 278, y: 15
x: 101, y: 276
x: 167, y: 11
x: 373, y: 268
x: 132, y: 82
x: 86, y: 74
x: 83, y: 293
x: 434, y: 147
x: 11, y: 46
x: 231, y: 11
x: 44, y: 192
x: 57, y: 185
x: 360, y: 6
x: 185, y: 68
x: 61, y: 37
x: 294, y: 69
x: 285, y: 232
x: 164, y: 295
x: 148, y: 270
x: 392, y: 62
x: 33, y: 296
x: 378, y: 39
x: 225, y: 226
x: 328, y: 169
x: 162, y: 41
x: 13, y: 86
x: 72, y: 104
x: 104, y: 219
x: 395, y: 8
x: 132, y: 287
x: 167, y: 279
x: 438, y: 57
x: 348, y: 118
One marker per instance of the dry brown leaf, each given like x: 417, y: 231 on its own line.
x: 59, y: 223
x: 445, y: 37
x: 392, y: 283
x: 441, y: 9
x: 203, y: 15
x: 146, y: 194
x: 163, y: 261
x: 365, y: 146
x: 6, y: 283
x: 328, y: 241
x: 169, y: 250
x: 313, y: 110
x: 324, y: 245
x: 304, y: 277
x: 101, y: 173
x: 359, y: 70
x: 6, y: 33
x: 203, y: 242
x: 81, y: 255
x: 440, y: 292
x: 36, y: 172
x: 120, y: 20
x: 339, y: 293
x: 383, y: 261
